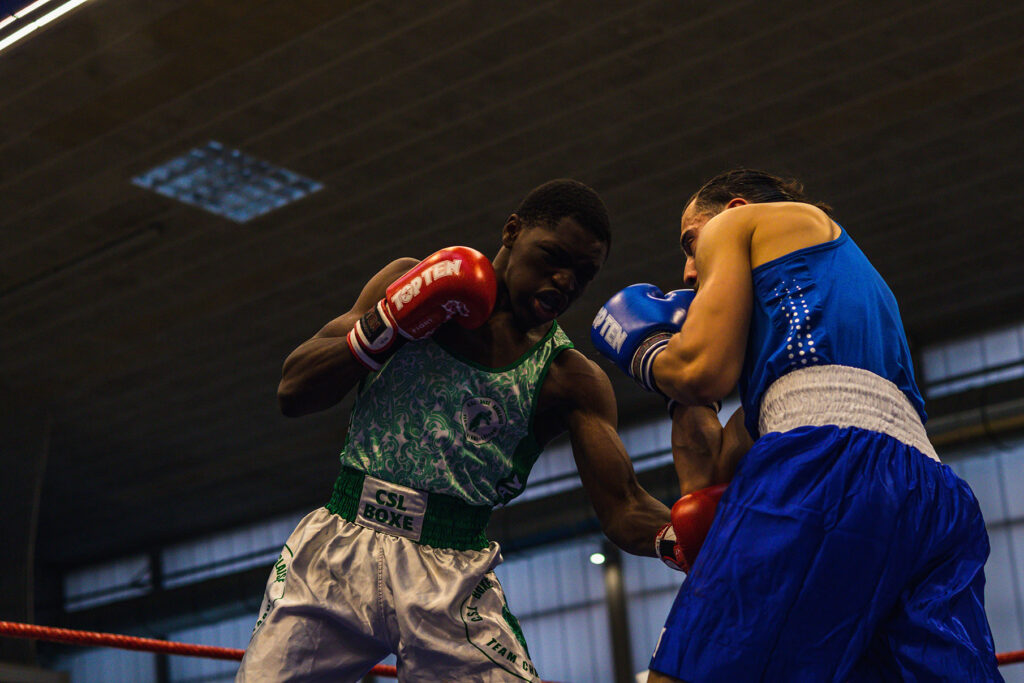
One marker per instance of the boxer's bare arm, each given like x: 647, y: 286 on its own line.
x: 704, y: 452
x: 702, y: 363
x: 319, y: 373
x: 578, y: 397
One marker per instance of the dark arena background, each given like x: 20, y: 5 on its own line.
x: 191, y: 188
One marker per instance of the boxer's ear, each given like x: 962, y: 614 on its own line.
x: 511, y: 231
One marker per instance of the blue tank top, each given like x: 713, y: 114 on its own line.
x: 823, y: 305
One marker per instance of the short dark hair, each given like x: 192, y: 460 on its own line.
x: 557, y: 199
x: 757, y: 187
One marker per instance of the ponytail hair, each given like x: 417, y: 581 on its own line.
x: 757, y: 187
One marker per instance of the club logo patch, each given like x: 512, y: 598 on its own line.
x: 481, y: 419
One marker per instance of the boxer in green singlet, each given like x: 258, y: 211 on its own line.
x: 463, y: 376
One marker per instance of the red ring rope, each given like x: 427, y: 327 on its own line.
x: 64, y: 635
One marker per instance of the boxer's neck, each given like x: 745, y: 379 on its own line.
x: 495, y: 344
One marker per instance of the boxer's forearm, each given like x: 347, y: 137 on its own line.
x: 635, y: 523
x: 630, y: 517
x: 704, y: 452
x: 682, y: 372
x: 317, y: 375
x: 696, y: 447
x: 321, y: 370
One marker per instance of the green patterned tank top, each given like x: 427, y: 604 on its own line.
x: 434, y: 421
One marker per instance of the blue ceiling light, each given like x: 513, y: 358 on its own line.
x: 226, y: 182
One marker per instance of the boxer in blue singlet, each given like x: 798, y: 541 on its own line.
x: 842, y: 549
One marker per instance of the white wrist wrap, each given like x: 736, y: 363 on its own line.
x: 642, y: 365
x: 372, y: 336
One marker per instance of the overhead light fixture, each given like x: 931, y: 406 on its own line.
x: 597, y: 558
x: 30, y: 8
x: 227, y: 182
x: 33, y: 24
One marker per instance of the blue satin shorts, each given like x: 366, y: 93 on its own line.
x: 836, y: 554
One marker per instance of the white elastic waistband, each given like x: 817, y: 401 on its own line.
x: 845, y: 397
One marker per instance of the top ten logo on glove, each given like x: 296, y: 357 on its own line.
x: 414, y: 286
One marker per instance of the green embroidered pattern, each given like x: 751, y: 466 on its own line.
x: 435, y: 422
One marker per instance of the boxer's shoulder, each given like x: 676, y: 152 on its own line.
x: 777, y: 229
x: 573, y: 383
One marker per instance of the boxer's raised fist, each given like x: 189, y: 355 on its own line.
x: 453, y: 283
x: 634, y: 326
x: 678, y: 543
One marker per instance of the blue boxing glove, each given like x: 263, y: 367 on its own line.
x: 634, y: 326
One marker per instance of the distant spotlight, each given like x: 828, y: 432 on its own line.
x: 597, y: 558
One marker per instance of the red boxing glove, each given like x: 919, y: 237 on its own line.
x: 678, y: 543
x: 457, y: 282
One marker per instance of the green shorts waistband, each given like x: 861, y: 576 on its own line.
x: 448, y: 522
